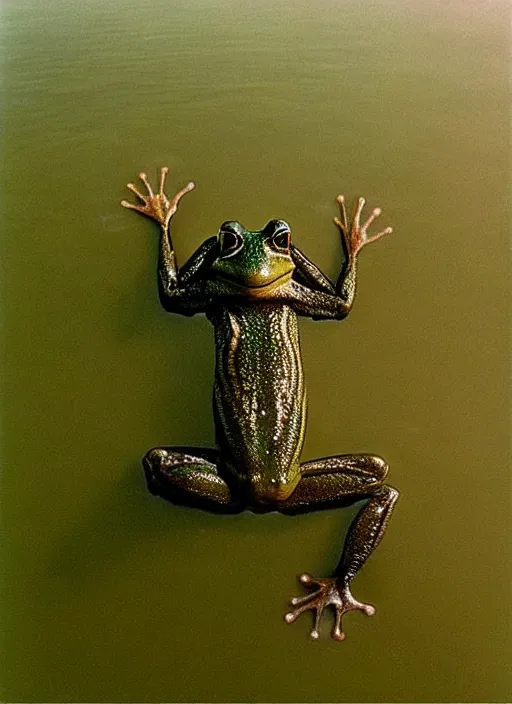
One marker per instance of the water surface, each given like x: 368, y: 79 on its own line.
x: 273, y: 108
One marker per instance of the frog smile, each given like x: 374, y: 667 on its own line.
x: 256, y: 288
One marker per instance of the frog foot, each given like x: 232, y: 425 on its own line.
x: 157, y: 205
x: 329, y: 593
x: 356, y: 235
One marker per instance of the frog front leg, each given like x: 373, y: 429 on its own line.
x: 354, y: 237
x: 332, y: 481
x: 182, y: 290
x: 310, y: 292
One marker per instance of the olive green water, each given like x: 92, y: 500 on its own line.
x: 273, y: 108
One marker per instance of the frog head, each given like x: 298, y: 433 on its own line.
x: 254, y: 262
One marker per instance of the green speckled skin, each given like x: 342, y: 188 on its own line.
x: 252, y: 285
x: 259, y: 398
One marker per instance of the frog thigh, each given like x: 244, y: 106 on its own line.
x: 188, y: 475
x: 341, y: 479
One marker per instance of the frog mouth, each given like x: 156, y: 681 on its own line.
x: 257, y: 289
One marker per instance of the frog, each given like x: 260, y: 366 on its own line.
x: 253, y: 285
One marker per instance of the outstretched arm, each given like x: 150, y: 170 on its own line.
x: 181, y: 290
x: 354, y: 237
x: 311, y: 293
x: 308, y: 274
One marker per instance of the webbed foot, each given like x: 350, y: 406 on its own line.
x: 329, y: 593
x: 157, y: 205
x: 356, y: 235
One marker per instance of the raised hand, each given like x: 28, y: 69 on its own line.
x: 355, y: 235
x: 157, y: 205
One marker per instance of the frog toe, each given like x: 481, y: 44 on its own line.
x: 328, y: 592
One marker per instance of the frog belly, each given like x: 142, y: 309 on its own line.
x: 259, y: 396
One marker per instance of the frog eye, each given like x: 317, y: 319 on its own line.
x: 282, y: 241
x: 230, y: 242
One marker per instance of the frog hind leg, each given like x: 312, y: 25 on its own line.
x: 333, y: 481
x: 189, y: 476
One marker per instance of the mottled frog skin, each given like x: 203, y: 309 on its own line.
x: 258, y: 374
x: 252, y: 285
